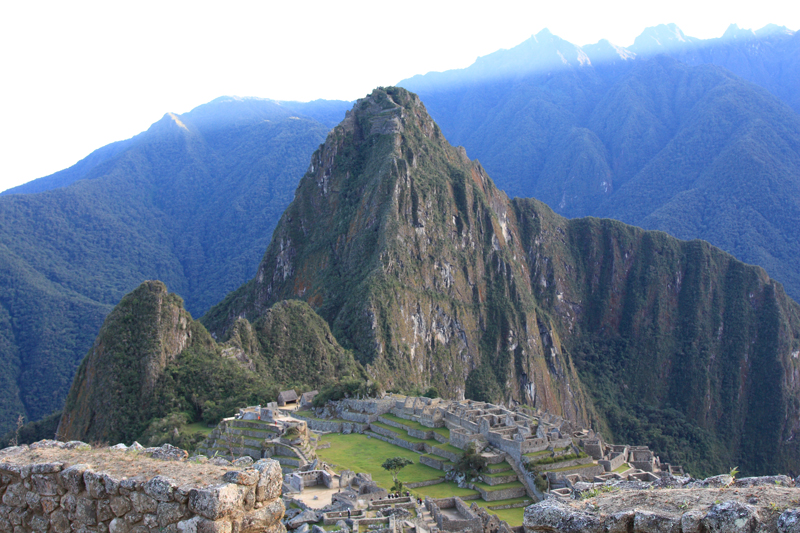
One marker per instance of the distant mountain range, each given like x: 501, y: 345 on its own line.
x: 192, y: 201
x: 660, y: 135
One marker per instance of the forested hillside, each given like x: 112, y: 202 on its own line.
x: 192, y: 201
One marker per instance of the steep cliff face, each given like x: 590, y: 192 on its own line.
x: 434, y: 277
x: 672, y: 336
x: 114, y: 385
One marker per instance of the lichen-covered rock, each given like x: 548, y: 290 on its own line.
x: 789, y: 521
x: 59, y: 521
x: 306, y: 517
x: 243, y: 461
x: 160, y: 488
x: 118, y: 525
x: 120, y: 505
x: 14, y: 495
x: 47, y: 443
x: 45, y: 484
x: 72, y: 477
x: 621, y: 522
x: 15, y: 471
x: 764, y: 481
x: 168, y: 452
x: 260, y: 519
x: 112, y: 485
x: 731, y: 517
x: 242, y: 477
x: 142, y: 503
x: 650, y: 522
x: 720, y: 481
x: 95, y: 484
x: 47, y: 468
x: 551, y: 514
x: 85, y: 511
x: 217, y: 501
x: 104, y: 511
x: 169, y: 513
x: 270, y: 481
x: 691, y: 521
x: 77, y: 445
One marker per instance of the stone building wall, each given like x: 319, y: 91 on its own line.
x: 56, y: 497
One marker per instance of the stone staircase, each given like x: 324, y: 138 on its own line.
x: 425, y: 521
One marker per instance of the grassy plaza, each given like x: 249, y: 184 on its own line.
x: 360, y: 453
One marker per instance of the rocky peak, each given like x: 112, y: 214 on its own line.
x: 734, y: 32
x: 143, y: 334
x: 660, y: 39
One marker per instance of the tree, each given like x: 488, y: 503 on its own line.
x: 394, y: 465
x: 471, y: 463
x: 432, y: 392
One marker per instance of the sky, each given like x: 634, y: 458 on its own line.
x: 75, y: 76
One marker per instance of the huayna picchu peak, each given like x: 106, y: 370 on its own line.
x: 433, y: 277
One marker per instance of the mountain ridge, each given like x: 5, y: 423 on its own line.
x: 163, y: 207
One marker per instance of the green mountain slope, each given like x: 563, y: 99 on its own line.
x: 691, y: 150
x: 434, y: 277
x: 166, y: 206
x: 151, y: 362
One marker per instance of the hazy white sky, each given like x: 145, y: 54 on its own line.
x: 78, y: 75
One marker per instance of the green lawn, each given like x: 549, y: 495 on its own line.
x: 508, y: 472
x: 413, y: 424
x: 449, y: 448
x: 567, y: 468
x: 403, y: 434
x: 490, y: 488
x: 504, y: 502
x: 538, y: 454
x: 439, y: 458
x: 357, y: 453
x: 394, y: 430
x: 513, y: 516
x: 499, y: 467
x: 624, y: 467
x: 444, y: 490
x: 199, y: 427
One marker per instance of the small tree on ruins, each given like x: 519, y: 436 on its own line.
x: 395, y: 465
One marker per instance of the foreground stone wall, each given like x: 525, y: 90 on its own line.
x: 61, y: 498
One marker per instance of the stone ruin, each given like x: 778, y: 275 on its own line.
x: 518, y: 434
x: 357, y: 490
x: 451, y: 514
x: 64, y: 494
